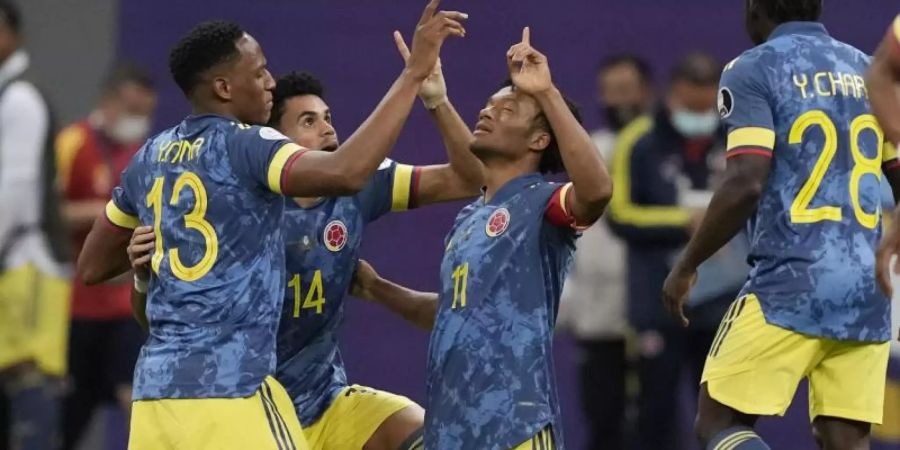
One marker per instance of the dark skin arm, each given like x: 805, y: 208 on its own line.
x: 140, y: 250
x: 103, y: 256
x: 882, y: 81
x: 346, y: 170
x: 417, y: 308
x: 731, y: 206
x: 591, y: 184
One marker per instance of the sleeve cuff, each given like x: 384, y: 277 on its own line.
x: 757, y: 139
x: 558, y: 212
x: 406, y: 185
x: 120, y: 218
x: 282, y: 160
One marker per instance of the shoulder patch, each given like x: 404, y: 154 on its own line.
x: 731, y: 64
x: 271, y: 134
x: 726, y: 102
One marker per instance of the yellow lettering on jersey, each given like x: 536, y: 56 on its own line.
x: 179, y: 151
x: 801, y: 83
x: 822, y: 92
x: 861, y: 86
x: 851, y: 85
x: 835, y: 82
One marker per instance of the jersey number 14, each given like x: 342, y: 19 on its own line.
x: 862, y: 165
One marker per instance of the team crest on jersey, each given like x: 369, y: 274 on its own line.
x: 497, y: 223
x: 335, y: 235
x: 271, y: 134
x: 726, y: 102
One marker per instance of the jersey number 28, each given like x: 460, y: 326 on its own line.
x: 862, y: 165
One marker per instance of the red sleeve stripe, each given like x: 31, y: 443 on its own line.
x: 115, y: 227
x: 414, y: 188
x: 287, y: 166
x: 749, y: 151
x: 891, y: 165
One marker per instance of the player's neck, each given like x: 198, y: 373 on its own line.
x: 497, y: 173
x: 201, y: 107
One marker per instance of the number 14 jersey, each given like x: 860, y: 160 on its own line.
x: 801, y: 99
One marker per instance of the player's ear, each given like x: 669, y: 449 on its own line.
x: 539, y: 140
x: 221, y: 88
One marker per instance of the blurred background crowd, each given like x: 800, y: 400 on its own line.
x: 83, y: 83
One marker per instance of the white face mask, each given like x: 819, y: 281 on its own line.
x: 691, y: 124
x: 130, y: 129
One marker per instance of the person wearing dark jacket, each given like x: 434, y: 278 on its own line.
x: 664, y: 170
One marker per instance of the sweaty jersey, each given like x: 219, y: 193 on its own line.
x: 322, y: 249
x: 801, y: 100
x: 490, y: 379
x: 211, y: 188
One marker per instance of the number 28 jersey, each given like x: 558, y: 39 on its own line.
x: 211, y: 188
x: 801, y: 99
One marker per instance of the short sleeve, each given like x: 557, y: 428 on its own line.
x: 393, y: 187
x: 262, y: 155
x: 120, y: 211
x: 745, y: 109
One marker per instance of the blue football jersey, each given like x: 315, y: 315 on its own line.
x: 211, y: 188
x: 801, y: 99
x: 322, y: 249
x: 490, y: 379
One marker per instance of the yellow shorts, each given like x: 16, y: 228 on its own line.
x: 353, y: 418
x: 755, y: 368
x: 264, y: 421
x: 541, y: 441
x: 34, y: 319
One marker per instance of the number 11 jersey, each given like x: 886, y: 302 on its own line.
x: 211, y: 187
x: 800, y: 99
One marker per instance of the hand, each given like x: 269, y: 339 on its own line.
x: 431, y: 31
x: 434, y: 90
x: 887, y: 249
x: 363, y: 279
x: 140, y: 250
x: 528, y: 67
x: 675, y: 291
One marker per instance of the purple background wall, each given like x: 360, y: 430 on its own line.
x: 348, y: 44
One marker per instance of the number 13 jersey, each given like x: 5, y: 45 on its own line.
x: 211, y: 188
x: 800, y: 99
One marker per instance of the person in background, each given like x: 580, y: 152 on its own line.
x: 593, y: 299
x: 34, y: 285
x: 104, y: 341
x: 664, y: 168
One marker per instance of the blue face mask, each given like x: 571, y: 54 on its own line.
x: 691, y: 124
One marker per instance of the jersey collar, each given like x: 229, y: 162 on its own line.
x: 513, y: 187
x: 802, y: 28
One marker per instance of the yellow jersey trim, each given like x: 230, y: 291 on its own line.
x: 751, y: 137
x: 621, y: 208
x: 120, y: 218
x: 276, y: 167
x: 403, y: 175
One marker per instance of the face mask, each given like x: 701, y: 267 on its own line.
x: 130, y: 129
x: 619, y: 116
x: 690, y: 124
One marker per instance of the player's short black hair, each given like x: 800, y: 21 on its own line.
x: 294, y: 84
x: 125, y: 73
x: 780, y: 11
x: 551, y: 159
x: 697, y: 68
x: 627, y: 59
x: 204, y: 47
x: 11, y: 16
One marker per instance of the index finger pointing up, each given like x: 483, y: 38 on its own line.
x: 526, y: 36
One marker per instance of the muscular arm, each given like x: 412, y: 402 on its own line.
x: 462, y: 177
x: 591, y: 184
x: 883, y: 82
x: 104, y: 255
x: 733, y: 203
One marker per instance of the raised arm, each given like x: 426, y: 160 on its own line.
x: 883, y: 82
x: 462, y: 176
x: 591, y: 184
x: 346, y: 170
